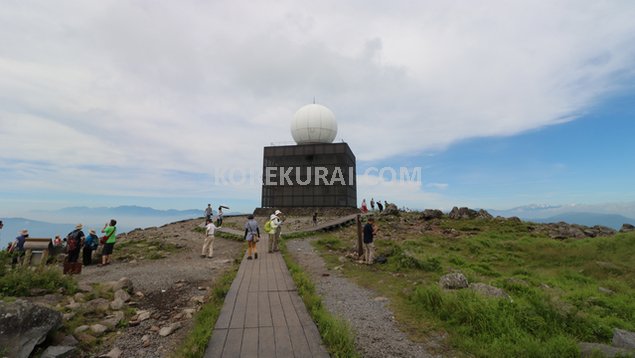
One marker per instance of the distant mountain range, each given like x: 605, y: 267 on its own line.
x: 126, y: 210
x: 589, y: 219
x: 611, y: 215
x: 36, y: 229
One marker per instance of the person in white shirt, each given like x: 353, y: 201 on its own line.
x: 208, y: 245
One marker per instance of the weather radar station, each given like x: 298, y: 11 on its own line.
x: 313, y: 173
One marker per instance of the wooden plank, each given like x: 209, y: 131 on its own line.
x: 240, y: 308
x: 277, y: 314
x: 249, y: 347
x: 299, y: 343
x: 282, y: 342
x: 315, y: 341
x: 289, y: 310
x: 216, y: 343
x: 264, y: 311
x: 251, y: 316
x: 266, y: 342
x: 233, y: 343
x: 301, y: 310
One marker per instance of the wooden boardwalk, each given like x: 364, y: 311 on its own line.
x: 263, y: 316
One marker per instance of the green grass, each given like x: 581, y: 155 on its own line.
x: 144, y: 249
x: 554, y: 285
x: 336, y: 334
x: 19, y: 281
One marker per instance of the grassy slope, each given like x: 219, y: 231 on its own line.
x: 554, y: 284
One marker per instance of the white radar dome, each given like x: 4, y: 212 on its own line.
x: 313, y: 123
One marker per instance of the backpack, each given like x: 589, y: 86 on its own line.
x: 268, y: 227
x: 72, y: 241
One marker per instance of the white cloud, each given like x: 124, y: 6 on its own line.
x: 150, y: 88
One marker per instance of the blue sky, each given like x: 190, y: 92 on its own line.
x: 144, y: 103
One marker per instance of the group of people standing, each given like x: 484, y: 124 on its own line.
x: 73, y: 244
x: 273, y: 227
x: 209, y: 215
x: 380, y: 206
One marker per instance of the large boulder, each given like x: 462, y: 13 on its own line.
x: 490, y: 291
x: 454, y: 280
x: 627, y: 228
x: 603, y: 350
x: 391, y: 209
x: 467, y: 213
x: 24, y: 325
x: 429, y: 214
x: 59, y: 352
x: 623, y: 339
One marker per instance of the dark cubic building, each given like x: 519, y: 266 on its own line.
x: 309, y: 175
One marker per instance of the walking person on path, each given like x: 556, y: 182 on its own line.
x: 372, y: 204
x: 90, y: 244
x: 110, y: 234
x: 208, y: 245
x: 277, y: 219
x: 369, y: 234
x: 208, y: 212
x: 252, y: 235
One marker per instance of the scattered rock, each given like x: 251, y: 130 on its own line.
x: 139, y: 294
x: 98, y: 328
x: 82, y: 328
x: 122, y: 295
x: 168, y: 330
x: 73, y: 305
x: 114, y: 353
x: 380, y: 299
x: 68, y: 316
x: 198, y: 299
x: 455, y: 280
x: 24, y: 325
x: 429, y: 214
x: 124, y: 283
x: 189, y: 312
x: 514, y: 219
x: 85, y: 338
x: 467, y: 213
x: 68, y: 341
x: 562, y: 230
x: 488, y: 290
x: 143, y: 315
x: 627, y: 228
x: 113, y: 320
x: 391, y: 209
x: 59, y: 352
x: 606, y: 290
x: 591, y: 349
x: 79, y: 297
x: 97, y: 305
x: 84, y: 287
x: 117, y: 304
x: 623, y: 339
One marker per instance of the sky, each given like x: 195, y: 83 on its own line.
x: 151, y: 103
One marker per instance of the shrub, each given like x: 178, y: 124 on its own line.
x: 20, y: 281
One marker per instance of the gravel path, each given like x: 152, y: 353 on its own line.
x: 376, y: 332
x: 169, y: 286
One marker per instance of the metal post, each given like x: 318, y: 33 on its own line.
x: 360, y: 248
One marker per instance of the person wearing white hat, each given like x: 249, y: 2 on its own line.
x: 276, y: 226
x: 74, y: 241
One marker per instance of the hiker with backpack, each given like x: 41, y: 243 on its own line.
x: 252, y: 235
x: 90, y: 244
x: 109, y: 239
x: 74, y: 241
x: 17, y: 248
x: 275, y: 225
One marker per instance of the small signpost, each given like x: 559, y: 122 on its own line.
x: 37, y: 251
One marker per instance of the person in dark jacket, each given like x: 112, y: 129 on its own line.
x: 74, y: 241
x: 252, y: 235
x: 18, y: 247
x: 369, y: 235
